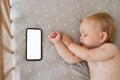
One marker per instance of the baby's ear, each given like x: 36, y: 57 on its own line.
x: 103, y: 36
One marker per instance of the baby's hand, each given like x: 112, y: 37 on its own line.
x: 67, y: 40
x: 54, y: 37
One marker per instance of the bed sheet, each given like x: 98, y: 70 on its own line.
x: 50, y: 15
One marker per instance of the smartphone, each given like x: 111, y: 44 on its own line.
x: 33, y: 44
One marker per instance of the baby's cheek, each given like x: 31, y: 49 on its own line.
x: 89, y: 40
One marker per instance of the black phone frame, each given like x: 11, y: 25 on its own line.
x: 26, y: 45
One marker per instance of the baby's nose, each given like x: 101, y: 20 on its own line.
x: 81, y: 37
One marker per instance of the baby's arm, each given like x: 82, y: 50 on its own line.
x: 104, y: 52
x: 63, y: 51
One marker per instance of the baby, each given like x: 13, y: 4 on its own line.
x: 96, y: 47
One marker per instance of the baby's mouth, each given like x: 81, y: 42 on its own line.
x: 81, y: 43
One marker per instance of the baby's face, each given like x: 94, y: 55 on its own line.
x: 89, y: 36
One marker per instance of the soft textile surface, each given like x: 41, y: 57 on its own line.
x: 50, y: 15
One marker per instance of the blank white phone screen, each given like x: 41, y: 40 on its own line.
x: 33, y: 44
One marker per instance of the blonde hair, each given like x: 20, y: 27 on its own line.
x: 105, y: 22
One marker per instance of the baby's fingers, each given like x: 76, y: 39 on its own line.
x: 52, y: 34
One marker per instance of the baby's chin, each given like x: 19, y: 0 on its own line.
x: 88, y: 46
x: 83, y: 45
x: 91, y: 46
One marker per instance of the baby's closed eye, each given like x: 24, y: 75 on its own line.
x: 85, y: 34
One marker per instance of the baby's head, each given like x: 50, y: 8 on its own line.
x: 96, y: 29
